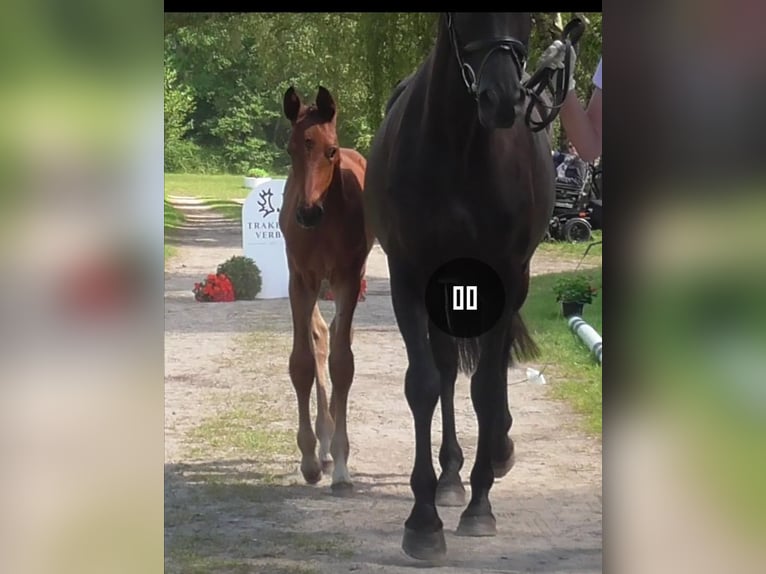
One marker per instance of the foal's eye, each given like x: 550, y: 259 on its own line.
x: 331, y: 152
x: 309, y: 144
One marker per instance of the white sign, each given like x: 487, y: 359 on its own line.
x: 262, y: 240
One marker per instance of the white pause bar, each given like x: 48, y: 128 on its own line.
x: 465, y: 298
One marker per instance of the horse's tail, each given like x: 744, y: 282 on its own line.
x: 523, y: 348
x: 468, y: 353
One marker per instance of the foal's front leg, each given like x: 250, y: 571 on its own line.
x: 325, y: 423
x: 341, y: 363
x: 303, y: 370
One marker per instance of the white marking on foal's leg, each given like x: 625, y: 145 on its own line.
x: 340, y: 475
x: 325, y: 458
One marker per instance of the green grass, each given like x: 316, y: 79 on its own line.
x: 574, y: 374
x: 244, y: 431
x: 216, y: 187
x: 170, y: 252
x: 227, y: 208
x: 219, y: 192
x: 173, y: 219
x: 573, y: 250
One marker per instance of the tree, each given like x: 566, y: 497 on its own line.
x: 235, y: 67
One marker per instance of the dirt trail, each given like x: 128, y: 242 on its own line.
x: 234, y: 498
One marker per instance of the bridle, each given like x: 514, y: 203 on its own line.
x: 508, y: 44
x: 555, y: 80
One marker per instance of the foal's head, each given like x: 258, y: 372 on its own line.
x: 490, y: 50
x: 313, y: 150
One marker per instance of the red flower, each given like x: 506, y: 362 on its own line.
x: 216, y: 288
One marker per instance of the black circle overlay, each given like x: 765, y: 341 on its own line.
x: 475, y: 307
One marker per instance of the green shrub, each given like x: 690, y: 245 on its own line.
x: 257, y: 172
x: 244, y: 275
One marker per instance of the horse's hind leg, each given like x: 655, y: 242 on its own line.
x: 488, y: 390
x: 303, y: 371
x: 342, y: 375
x: 423, y: 530
x: 449, y: 488
x: 325, y: 425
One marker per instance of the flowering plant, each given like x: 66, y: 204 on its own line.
x: 216, y: 288
x: 577, y: 289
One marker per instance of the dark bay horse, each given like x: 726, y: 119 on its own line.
x: 460, y: 191
x: 322, y: 221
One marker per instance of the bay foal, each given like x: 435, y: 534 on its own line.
x: 322, y: 221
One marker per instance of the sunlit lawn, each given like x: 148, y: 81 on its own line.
x: 571, y: 370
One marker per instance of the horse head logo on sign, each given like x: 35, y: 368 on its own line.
x: 262, y: 239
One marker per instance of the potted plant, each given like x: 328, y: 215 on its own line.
x: 256, y: 176
x: 573, y: 293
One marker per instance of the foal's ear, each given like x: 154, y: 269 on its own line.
x: 325, y: 104
x: 291, y: 104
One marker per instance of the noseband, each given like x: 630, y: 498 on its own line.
x: 556, y: 81
x: 501, y: 44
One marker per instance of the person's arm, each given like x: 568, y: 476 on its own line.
x: 583, y: 127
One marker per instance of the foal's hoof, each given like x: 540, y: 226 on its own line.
x: 424, y: 545
x: 312, y: 473
x: 450, y: 494
x: 342, y: 488
x: 478, y: 525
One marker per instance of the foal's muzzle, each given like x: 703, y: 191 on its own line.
x: 309, y: 217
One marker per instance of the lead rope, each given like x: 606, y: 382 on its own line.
x: 541, y: 79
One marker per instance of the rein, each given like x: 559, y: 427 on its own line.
x: 556, y: 81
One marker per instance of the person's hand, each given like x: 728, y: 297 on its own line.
x: 553, y: 58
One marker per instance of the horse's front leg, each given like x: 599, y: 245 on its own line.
x: 423, y: 530
x: 346, y: 290
x: 450, y: 490
x: 303, y: 296
x: 325, y: 423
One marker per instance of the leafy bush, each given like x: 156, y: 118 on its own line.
x: 257, y: 172
x: 244, y: 275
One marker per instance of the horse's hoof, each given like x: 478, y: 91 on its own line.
x: 342, y: 488
x: 501, y: 468
x: 480, y: 525
x: 450, y: 494
x: 311, y: 473
x: 327, y: 466
x: 424, y: 545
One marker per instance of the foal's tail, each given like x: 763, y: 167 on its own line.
x: 523, y: 348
